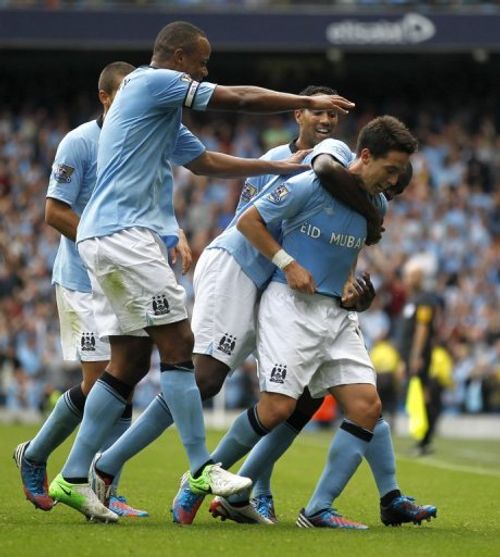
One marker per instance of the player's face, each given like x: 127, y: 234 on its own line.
x: 316, y: 125
x: 195, y: 62
x: 381, y: 174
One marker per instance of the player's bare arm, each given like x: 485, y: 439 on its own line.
x: 61, y: 216
x: 251, y: 225
x: 257, y: 99
x: 221, y: 165
x: 346, y: 187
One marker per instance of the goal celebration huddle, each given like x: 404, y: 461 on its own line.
x: 280, y: 282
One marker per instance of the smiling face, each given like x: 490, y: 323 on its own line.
x: 382, y: 173
x: 315, y: 126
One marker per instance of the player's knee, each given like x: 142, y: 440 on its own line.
x: 210, y: 375
x: 182, y: 349
x: 365, y: 411
x: 209, y: 385
x: 274, y: 410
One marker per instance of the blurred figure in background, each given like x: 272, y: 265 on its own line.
x: 386, y: 361
x: 418, y: 329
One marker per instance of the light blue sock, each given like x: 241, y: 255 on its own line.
x: 183, y: 398
x: 243, y: 435
x: 119, y: 429
x: 59, y: 425
x: 103, y: 408
x: 148, y: 427
x: 344, y: 456
x: 261, y: 460
x: 380, y: 457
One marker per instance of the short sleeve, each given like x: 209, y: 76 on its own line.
x: 187, y: 148
x: 335, y: 148
x: 68, y: 170
x: 173, y: 89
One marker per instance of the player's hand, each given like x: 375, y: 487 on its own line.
x: 183, y: 251
x: 294, y: 164
x: 374, y: 231
x: 299, y: 278
x: 331, y: 102
x: 358, y: 293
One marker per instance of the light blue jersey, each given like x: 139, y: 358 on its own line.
x: 321, y: 233
x: 71, y: 181
x: 141, y: 136
x: 257, y: 267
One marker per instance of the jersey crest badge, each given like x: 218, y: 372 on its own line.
x: 227, y: 344
x: 278, y: 194
x: 88, y: 342
x: 278, y: 373
x: 62, y: 173
x: 160, y: 305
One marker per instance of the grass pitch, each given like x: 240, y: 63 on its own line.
x: 463, y: 480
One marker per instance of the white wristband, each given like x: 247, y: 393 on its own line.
x: 281, y: 259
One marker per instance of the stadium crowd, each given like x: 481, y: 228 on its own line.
x: 449, y: 218
x: 249, y: 4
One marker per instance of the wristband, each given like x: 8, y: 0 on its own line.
x: 281, y: 259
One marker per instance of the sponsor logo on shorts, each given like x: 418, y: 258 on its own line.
x: 227, y: 344
x: 278, y: 194
x: 88, y: 342
x: 62, y: 173
x: 278, y: 373
x: 160, y: 305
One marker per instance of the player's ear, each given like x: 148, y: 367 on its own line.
x: 105, y: 99
x: 178, y: 55
x: 365, y: 155
x: 298, y: 115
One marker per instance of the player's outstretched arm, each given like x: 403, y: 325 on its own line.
x: 257, y: 99
x: 211, y: 163
x: 61, y: 216
x: 346, y: 187
x: 252, y: 226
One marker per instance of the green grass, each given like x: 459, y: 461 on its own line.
x: 463, y: 480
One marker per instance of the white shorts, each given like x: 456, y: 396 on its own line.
x: 225, y: 299
x: 133, y: 286
x: 79, y: 338
x: 308, y: 341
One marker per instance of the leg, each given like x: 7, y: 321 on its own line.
x: 210, y: 375
x: 175, y: 343
x: 130, y: 358
x: 248, y: 429
x: 362, y: 408
x: 31, y: 456
x: 433, y: 407
x: 274, y: 445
